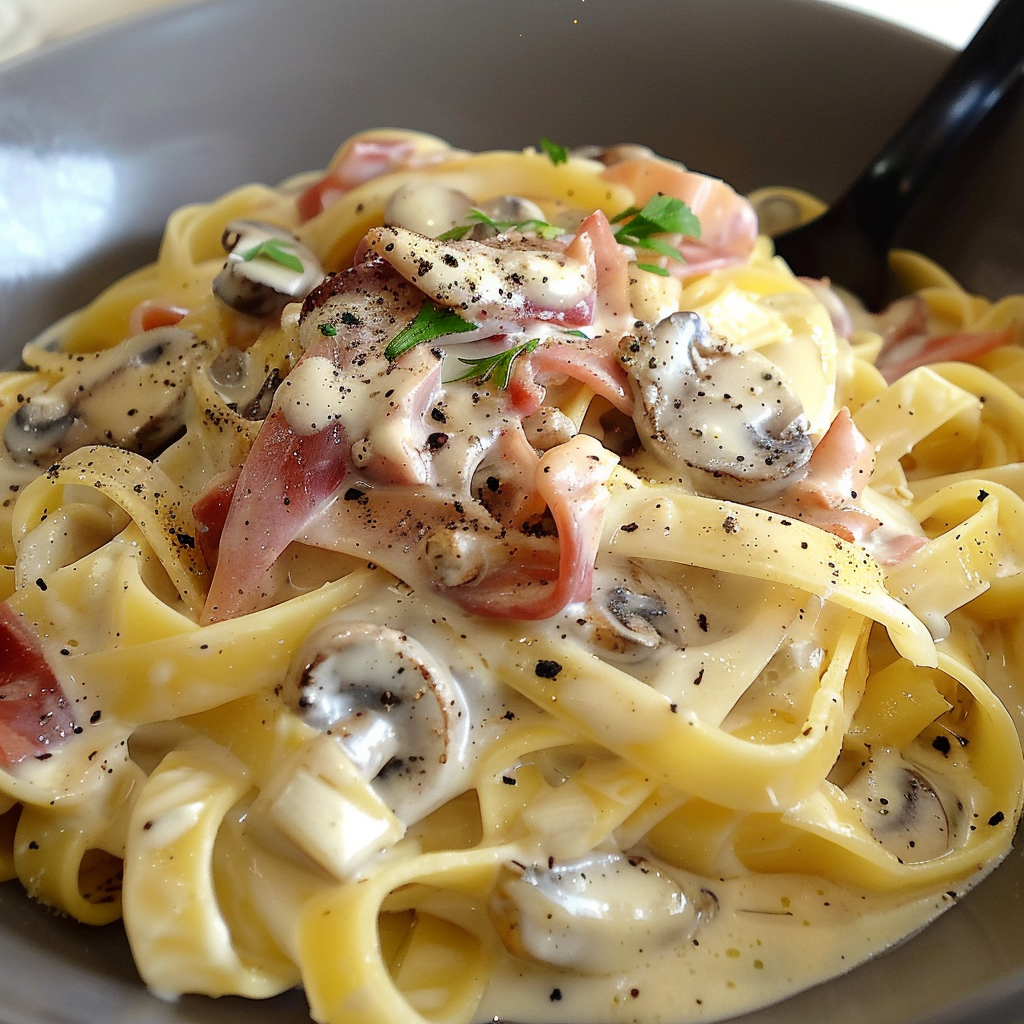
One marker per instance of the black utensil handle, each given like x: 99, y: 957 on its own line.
x: 975, y: 81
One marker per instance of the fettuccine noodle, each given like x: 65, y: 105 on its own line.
x: 492, y: 585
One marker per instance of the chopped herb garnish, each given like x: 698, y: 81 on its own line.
x: 577, y: 334
x: 456, y: 233
x: 661, y: 214
x: 652, y: 268
x: 328, y: 330
x: 275, y: 250
x: 432, y: 321
x: 499, y: 227
x: 498, y: 366
x: 539, y: 227
x: 557, y: 153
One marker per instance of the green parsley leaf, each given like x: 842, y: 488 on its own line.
x: 499, y: 227
x: 556, y: 152
x: 498, y: 366
x: 664, y: 214
x: 629, y: 211
x: 661, y: 214
x: 661, y: 247
x: 432, y: 321
x: 275, y: 250
x: 539, y: 227
x: 456, y: 233
x: 652, y: 268
x: 328, y: 330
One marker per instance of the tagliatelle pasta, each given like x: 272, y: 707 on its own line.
x: 492, y: 585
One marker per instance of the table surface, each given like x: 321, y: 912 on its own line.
x: 25, y: 24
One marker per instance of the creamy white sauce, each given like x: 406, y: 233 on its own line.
x: 667, y: 946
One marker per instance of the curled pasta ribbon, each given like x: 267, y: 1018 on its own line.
x: 202, y: 667
x: 826, y: 835
x: 910, y: 410
x: 573, y: 817
x: 978, y: 557
x: 72, y: 861
x: 750, y: 543
x: 674, y: 745
x: 403, y: 944
x: 172, y: 912
x: 334, y: 234
x: 154, y: 502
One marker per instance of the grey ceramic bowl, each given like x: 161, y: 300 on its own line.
x: 102, y: 137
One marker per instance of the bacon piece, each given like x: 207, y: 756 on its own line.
x: 919, y: 350
x: 284, y: 482
x: 837, y: 472
x: 595, y: 245
x: 839, y: 468
x: 210, y: 512
x: 366, y: 158
x: 149, y: 314
x: 35, y: 717
x: 594, y: 363
x: 572, y: 479
x: 515, y: 575
x: 295, y: 467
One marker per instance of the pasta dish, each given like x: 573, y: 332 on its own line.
x: 492, y: 586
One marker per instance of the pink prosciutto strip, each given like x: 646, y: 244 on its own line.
x: 572, y: 478
x: 287, y: 478
x: 365, y: 159
x: 838, y: 471
x: 728, y: 221
x: 595, y: 245
x: 35, y: 718
x: 290, y: 474
x: 921, y: 350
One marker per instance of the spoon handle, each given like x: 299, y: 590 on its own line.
x: 973, y: 84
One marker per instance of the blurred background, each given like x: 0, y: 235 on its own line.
x: 25, y: 24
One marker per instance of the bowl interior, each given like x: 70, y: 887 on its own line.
x: 103, y: 136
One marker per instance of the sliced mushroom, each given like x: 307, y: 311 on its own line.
x: 267, y: 267
x: 231, y: 373
x: 700, y: 401
x: 515, y: 211
x: 631, y: 613
x: 596, y: 915
x: 547, y: 427
x: 609, y: 155
x: 131, y: 396
x: 428, y: 207
x: 498, y: 287
x: 901, y: 808
x: 397, y: 711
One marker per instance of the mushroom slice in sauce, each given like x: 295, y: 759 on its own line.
x: 901, y: 808
x: 594, y: 915
x: 700, y: 401
x: 428, y: 208
x: 131, y: 395
x: 267, y: 267
x: 499, y: 287
x: 398, y: 712
x: 610, y: 155
x: 631, y: 613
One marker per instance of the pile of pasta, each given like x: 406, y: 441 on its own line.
x: 752, y: 682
